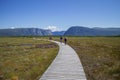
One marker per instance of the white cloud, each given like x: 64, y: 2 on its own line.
x: 53, y: 28
x: 12, y: 27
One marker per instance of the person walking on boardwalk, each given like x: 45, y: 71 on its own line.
x: 65, y: 40
x: 50, y: 37
x: 61, y: 39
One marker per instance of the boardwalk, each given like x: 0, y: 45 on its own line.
x: 66, y: 66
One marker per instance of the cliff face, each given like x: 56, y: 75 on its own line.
x: 84, y: 31
x: 24, y: 32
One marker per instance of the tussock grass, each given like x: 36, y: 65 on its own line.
x: 20, y: 59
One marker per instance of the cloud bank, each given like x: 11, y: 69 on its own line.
x: 52, y: 28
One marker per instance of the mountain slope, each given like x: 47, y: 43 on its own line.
x: 84, y: 31
x: 24, y: 32
x: 58, y: 33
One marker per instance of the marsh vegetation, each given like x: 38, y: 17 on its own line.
x: 23, y: 58
x: 26, y: 58
x: 100, y: 56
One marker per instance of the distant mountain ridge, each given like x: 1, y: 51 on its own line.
x: 85, y: 31
x: 72, y: 31
x: 58, y: 33
x: 25, y: 32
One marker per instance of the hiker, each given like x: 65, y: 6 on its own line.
x: 61, y: 39
x: 65, y: 40
x: 50, y: 38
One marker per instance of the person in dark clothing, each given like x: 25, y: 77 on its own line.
x: 61, y: 39
x: 50, y: 38
x: 65, y: 40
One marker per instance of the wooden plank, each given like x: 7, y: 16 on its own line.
x: 66, y: 66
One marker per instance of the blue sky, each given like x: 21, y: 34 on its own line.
x: 59, y: 14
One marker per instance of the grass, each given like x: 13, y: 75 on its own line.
x: 23, y: 58
x: 26, y: 59
x: 100, y: 56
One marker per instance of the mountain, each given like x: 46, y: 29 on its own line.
x: 25, y: 32
x: 85, y: 31
x: 58, y: 33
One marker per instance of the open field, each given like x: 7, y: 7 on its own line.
x: 23, y: 58
x: 27, y: 59
x: 100, y: 56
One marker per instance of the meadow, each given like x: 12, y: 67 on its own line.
x: 100, y: 56
x: 25, y: 58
